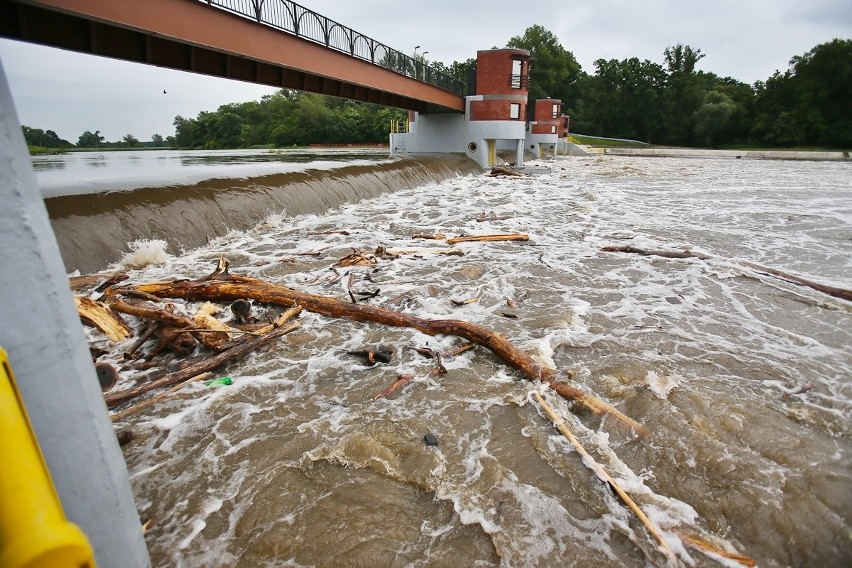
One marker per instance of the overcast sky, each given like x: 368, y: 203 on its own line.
x: 744, y: 39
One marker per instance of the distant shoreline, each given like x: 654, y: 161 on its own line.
x: 730, y: 154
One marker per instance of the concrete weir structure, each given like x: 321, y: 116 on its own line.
x: 494, y: 117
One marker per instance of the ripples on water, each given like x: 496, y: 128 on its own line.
x: 77, y: 173
x: 295, y: 465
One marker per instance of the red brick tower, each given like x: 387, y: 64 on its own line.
x: 547, y: 127
x: 548, y: 117
x: 502, y: 82
x: 494, y: 119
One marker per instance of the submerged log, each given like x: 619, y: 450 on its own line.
x: 505, y: 171
x: 713, y: 550
x: 663, y: 253
x: 489, y: 238
x: 261, y: 291
x: 400, y: 381
x: 842, y: 293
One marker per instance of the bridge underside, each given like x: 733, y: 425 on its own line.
x: 190, y: 36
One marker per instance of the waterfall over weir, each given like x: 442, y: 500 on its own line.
x: 95, y: 229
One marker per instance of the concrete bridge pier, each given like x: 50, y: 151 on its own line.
x: 47, y: 349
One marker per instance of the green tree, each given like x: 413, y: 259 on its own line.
x: 712, y: 116
x: 554, y: 72
x: 225, y: 129
x: 822, y: 83
x: 623, y: 99
x: 808, y: 104
x: 130, y: 141
x: 684, y: 93
x: 157, y: 140
x: 90, y: 139
x: 736, y: 129
x: 44, y: 138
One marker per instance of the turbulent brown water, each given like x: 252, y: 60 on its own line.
x: 295, y: 464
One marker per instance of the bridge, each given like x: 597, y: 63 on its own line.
x: 270, y: 42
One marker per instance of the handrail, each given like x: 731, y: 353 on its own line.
x: 295, y: 19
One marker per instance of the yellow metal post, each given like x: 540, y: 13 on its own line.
x: 492, y: 153
x: 34, y: 532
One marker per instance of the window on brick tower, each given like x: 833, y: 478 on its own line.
x: 515, y: 110
x: 556, y: 111
x: 516, y: 74
x: 553, y: 130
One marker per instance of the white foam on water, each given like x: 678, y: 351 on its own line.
x: 661, y: 385
x: 145, y: 253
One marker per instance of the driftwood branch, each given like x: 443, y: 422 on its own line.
x: 712, y: 550
x: 198, y: 328
x: 662, y: 253
x: 137, y: 408
x: 399, y: 382
x: 489, y: 238
x: 236, y: 352
x: 604, y: 476
x: 842, y: 293
x: 250, y: 288
x: 104, y: 281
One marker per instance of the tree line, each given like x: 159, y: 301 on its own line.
x: 671, y: 102
x: 668, y: 102
x: 287, y: 118
x: 48, y: 139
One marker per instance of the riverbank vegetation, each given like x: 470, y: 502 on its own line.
x: 670, y: 102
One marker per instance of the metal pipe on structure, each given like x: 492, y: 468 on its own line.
x: 44, y: 340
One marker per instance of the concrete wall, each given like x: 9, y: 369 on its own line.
x: 439, y: 132
x: 542, y: 145
x: 455, y: 133
x: 44, y: 339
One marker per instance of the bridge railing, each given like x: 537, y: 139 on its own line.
x: 295, y: 19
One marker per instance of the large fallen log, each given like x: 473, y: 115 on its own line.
x: 842, y: 293
x: 232, y: 287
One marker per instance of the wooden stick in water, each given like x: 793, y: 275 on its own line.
x: 137, y: 408
x: 603, y: 475
x: 706, y: 547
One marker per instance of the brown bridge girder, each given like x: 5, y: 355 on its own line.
x: 189, y: 36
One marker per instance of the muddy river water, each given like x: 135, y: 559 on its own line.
x: 743, y: 380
